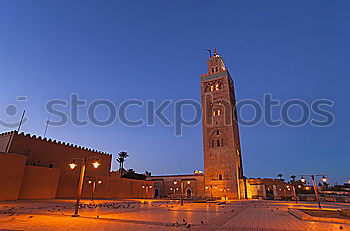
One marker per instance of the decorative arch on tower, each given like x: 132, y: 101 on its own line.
x: 217, y: 139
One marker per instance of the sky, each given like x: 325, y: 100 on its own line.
x: 156, y: 50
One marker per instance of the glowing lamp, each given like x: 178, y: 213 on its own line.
x: 324, y: 179
x: 90, y: 181
x: 150, y: 186
x: 72, y: 165
x: 303, y: 179
x: 175, y: 182
x: 99, y: 182
x: 299, y: 186
x: 96, y: 164
x: 188, y: 182
x: 143, y: 186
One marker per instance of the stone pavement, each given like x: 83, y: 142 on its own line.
x: 152, y: 215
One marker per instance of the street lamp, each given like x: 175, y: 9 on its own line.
x: 324, y: 179
x: 72, y: 165
x: 182, y: 190
x: 147, y: 187
x: 93, y: 182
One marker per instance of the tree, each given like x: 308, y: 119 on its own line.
x: 280, y: 176
x: 121, y: 159
x: 131, y: 174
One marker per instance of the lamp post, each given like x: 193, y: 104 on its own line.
x: 146, y: 187
x: 93, y: 182
x: 72, y: 165
x: 182, y: 190
x: 175, y: 184
x: 324, y: 179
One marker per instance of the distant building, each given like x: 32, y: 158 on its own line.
x: 169, y: 186
x: 270, y: 189
x: 37, y: 168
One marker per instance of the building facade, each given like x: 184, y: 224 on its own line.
x: 268, y: 189
x: 169, y: 186
x: 223, y: 172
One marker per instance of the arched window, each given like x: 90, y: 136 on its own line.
x: 216, y: 69
x: 220, y: 177
x: 212, y: 70
x: 188, y: 193
x: 217, y: 132
x: 213, y: 144
x: 218, y: 143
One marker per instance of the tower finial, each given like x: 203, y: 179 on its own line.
x: 215, y: 53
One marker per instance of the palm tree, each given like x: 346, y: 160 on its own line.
x: 280, y: 176
x: 121, y: 159
x: 293, y: 177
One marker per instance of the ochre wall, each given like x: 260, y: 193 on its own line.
x: 47, y: 175
x: 11, y: 174
x: 39, y: 183
x: 129, y: 188
x: 43, y: 152
x: 68, y: 183
x: 4, y: 140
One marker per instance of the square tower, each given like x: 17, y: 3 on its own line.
x: 223, y: 172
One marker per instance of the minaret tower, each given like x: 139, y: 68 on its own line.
x: 223, y: 171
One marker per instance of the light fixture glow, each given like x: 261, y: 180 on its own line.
x: 324, y: 179
x: 96, y: 164
x: 72, y: 165
x: 99, y: 182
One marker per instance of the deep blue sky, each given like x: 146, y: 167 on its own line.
x: 119, y: 50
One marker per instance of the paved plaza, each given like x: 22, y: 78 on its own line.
x: 159, y: 215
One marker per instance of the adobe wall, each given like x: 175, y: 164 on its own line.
x: 11, y: 174
x: 129, y: 188
x: 39, y: 183
x: 4, y: 139
x: 68, y: 184
x: 45, y: 152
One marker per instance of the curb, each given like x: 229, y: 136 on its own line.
x: 306, y: 217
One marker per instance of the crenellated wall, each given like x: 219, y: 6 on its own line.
x: 45, y: 152
x: 41, y: 171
